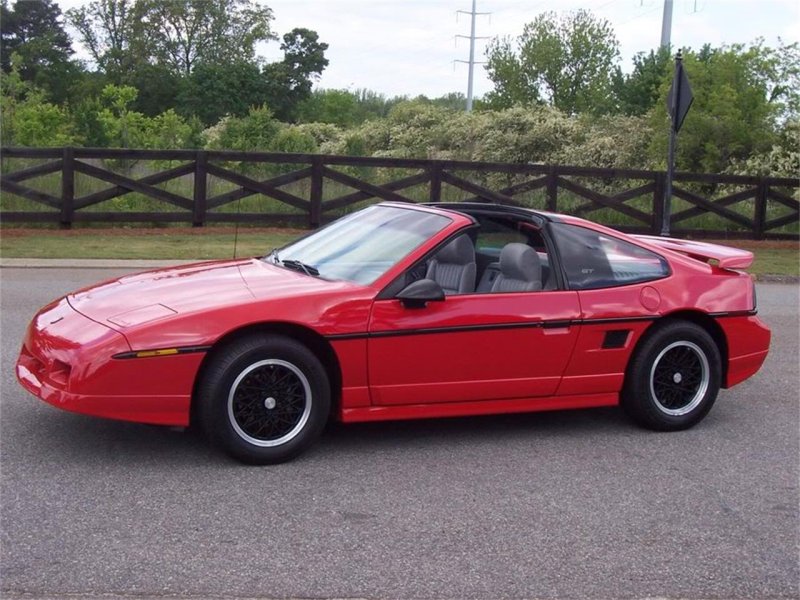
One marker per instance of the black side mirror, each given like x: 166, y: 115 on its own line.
x: 419, y: 293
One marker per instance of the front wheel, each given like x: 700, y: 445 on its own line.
x: 673, y: 378
x: 264, y: 399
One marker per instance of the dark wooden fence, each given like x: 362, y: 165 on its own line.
x: 758, y: 207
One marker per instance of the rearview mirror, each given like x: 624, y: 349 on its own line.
x: 419, y: 293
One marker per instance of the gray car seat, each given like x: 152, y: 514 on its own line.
x: 453, y: 267
x: 520, y: 270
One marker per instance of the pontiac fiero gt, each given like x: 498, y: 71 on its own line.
x: 404, y: 312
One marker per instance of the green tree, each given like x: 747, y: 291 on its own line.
x: 89, y: 125
x: 338, y: 107
x: 294, y: 139
x: 289, y: 81
x: 182, y: 33
x: 372, y: 105
x: 740, y: 97
x: 453, y: 100
x: 565, y: 61
x: 158, y: 87
x: 124, y: 127
x: 27, y: 119
x: 347, y: 108
x: 214, y: 90
x: 256, y: 131
x: 33, y: 29
x: 779, y: 71
x: 106, y: 30
x: 640, y: 91
x: 33, y: 32
x: 781, y: 160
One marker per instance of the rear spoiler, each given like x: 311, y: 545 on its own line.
x: 727, y: 257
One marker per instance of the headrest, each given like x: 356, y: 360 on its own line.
x: 460, y: 251
x: 518, y: 261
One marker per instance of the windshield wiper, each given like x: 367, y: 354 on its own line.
x: 273, y: 257
x: 291, y: 264
x: 299, y: 266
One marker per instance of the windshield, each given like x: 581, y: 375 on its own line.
x: 363, y: 246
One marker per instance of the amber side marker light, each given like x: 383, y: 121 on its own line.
x: 161, y: 352
x: 164, y: 352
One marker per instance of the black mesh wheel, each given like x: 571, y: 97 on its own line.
x: 673, y: 378
x: 263, y: 399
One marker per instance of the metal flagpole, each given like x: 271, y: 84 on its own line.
x: 674, y: 99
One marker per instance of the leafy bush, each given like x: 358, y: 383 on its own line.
x: 28, y: 120
x: 254, y: 132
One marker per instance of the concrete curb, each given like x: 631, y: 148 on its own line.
x: 777, y: 278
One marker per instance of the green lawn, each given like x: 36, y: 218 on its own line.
x: 776, y: 261
x: 129, y: 244
x: 772, y: 258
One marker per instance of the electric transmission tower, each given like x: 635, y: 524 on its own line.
x: 471, y: 62
x: 666, y: 24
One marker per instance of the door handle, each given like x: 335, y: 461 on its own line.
x: 565, y: 324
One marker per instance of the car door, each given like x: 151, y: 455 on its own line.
x: 617, y: 286
x: 471, y: 347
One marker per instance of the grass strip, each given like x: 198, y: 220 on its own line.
x: 771, y: 257
x: 170, y: 243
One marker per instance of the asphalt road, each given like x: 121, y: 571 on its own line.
x: 555, y: 505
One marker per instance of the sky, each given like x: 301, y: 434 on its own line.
x: 408, y: 47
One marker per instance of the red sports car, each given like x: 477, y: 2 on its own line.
x: 404, y: 312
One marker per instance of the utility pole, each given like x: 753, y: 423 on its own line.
x: 679, y: 101
x: 666, y: 24
x: 473, y: 13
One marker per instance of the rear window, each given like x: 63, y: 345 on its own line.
x: 594, y: 260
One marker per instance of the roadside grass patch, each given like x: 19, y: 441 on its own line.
x: 121, y: 243
x: 780, y: 258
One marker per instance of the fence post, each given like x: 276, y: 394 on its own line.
x: 200, y: 189
x: 315, y: 208
x: 435, y: 170
x: 552, y: 189
x: 658, y: 203
x: 67, y: 188
x: 760, y: 216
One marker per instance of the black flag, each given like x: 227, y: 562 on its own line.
x: 680, y: 96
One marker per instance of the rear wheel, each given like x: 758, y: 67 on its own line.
x: 673, y: 378
x: 264, y: 399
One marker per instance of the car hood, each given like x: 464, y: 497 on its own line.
x: 153, y: 295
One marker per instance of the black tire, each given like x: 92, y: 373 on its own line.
x: 263, y: 399
x: 674, y: 377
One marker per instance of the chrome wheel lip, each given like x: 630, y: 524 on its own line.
x: 295, y: 431
x: 702, y: 388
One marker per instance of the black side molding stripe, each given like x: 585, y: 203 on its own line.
x: 431, y: 330
x: 347, y: 336
x: 734, y: 313
x: 617, y: 320
x: 556, y: 324
x: 159, y: 352
x: 458, y: 329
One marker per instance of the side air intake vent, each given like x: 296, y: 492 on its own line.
x: 616, y: 338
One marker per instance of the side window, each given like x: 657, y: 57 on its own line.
x: 593, y: 260
x: 500, y: 236
x: 494, y: 234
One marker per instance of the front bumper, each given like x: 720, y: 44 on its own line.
x: 66, y: 361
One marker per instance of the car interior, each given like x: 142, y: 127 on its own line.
x: 501, y: 254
